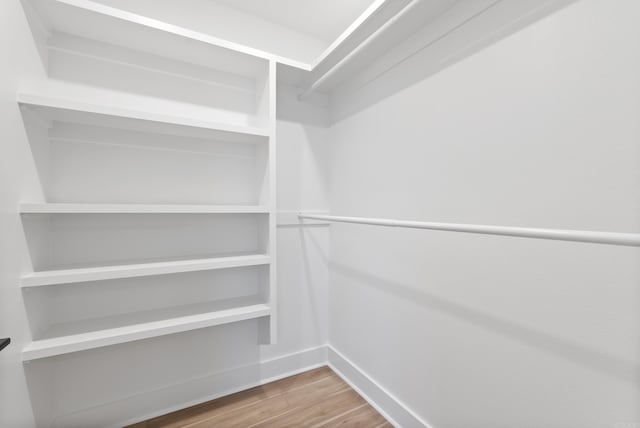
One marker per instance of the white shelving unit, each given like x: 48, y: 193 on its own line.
x: 155, y: 147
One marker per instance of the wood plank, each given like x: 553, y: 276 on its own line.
x: 292, y: 383
x: 364, y: 416
x: 317, y: 391
x: 314, y: 414
x: 246, y: 416
x: 202, y: 411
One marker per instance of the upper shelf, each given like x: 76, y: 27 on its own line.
x: 96, y: 21
x: 437, y: 29
x: 61, y: 101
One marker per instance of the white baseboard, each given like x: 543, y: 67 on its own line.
x: 149, y: 404
x: 174, y: 397
x: 382, y: 400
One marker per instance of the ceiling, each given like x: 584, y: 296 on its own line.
x: 322, y: 19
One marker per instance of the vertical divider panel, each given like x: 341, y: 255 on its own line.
x: 268, y: 332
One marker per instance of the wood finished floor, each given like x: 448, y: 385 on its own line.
x: 317, y: 398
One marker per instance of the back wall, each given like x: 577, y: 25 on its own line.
x: 538, y: 130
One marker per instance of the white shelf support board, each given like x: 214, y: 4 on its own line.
x: 271, y: 192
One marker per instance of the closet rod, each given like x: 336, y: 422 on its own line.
x: 610, y: 238
x: 372, y: 37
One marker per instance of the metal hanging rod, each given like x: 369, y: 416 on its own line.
x: 610, y: 238
x: 372, y: 37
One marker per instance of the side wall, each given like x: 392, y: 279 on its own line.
x: 538, y: 130
x: 18, y: 179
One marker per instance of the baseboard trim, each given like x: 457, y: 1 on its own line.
x: 150, y: 404
x: 382, y: 400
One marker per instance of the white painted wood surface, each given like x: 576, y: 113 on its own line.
x: 68, y: 276
x: 53, y: 107
x: 64, y: 338
x: 92, y: 19
x: 68, y: 208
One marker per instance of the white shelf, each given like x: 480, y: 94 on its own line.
x: 48, y: 102
x: 72, y: 337
x: 101, y: 22
x: 66, y: 208
x: 67, y: 276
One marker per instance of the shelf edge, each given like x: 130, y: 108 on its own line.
x: 72, y: 208
x: 30, y: 99
x: 70, y: 276
x: 84, y: 341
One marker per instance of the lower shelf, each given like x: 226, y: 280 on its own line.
x: 89, y: 334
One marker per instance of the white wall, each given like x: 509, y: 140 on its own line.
x: 17, y: 179
x: 302, y: 252
x: 540, y: 129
